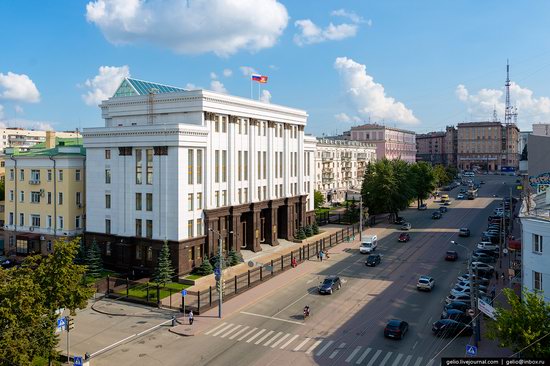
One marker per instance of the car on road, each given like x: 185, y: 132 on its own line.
x: 396, y: 329
x: 481, y: 182
x: 457, y: 297
x: 444, y: 198
x: 459, y: 316
x: 460, y: 196
x: 482, y: 266
x: 368, y: 244
x: 443, y: 209
x: 447, y: 203
x: 436, y: 215
x: 464, y: 232
x: 451, y: 255
x: 487, y: 245
x: 451, y: 328
x: 456, y: 305
x: 423, y: 207
x: 425, y: 283
x: 399, y: 220
x: 330, y: 284
x: 373, y: 260
x: 404, y: 237
x: 406, y: 226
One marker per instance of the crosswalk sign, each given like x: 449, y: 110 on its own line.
x: 77, y: 361
x: 471, y: 350
x: 61, y: 323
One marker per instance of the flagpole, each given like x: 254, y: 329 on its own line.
x: 259, y: 86
x: 251, y: 87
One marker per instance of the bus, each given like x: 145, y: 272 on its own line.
x: 472, y: 194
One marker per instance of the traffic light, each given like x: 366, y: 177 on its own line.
x: 69, y: 322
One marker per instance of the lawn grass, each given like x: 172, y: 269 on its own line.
x: 140, y: 291
x: 193, y: 277
x: 104, y: 273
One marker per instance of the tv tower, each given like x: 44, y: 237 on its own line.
x: 510, y: 113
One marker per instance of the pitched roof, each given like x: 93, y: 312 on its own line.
x: 64, y: 146
x: 131, y: 87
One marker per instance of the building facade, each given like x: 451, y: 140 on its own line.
x: 430, y: 147
x: 488, y: 146
x: 391, y: 143
x: 451, y: 145
x: 340, y: 166
x: 535, y: 222
x: 190, y: 167
x: 45, y: 195
x: 541, y: 129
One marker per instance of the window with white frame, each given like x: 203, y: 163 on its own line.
x: 77, y: 222
x: 77, y: 175
x: 22, y: 174
x: 11, y: 195
x: 78, y: 198
x: 35, y: 175
x: 35, y: 220
x: 22, y: 196
x: 12, y: 174
x: 60, y: 198
x: 60, y: 175
x: 49, y: 175
x: 60, y: 222
x: 35, y: 197
x: 537, y: 243
x: 537, y: 281
x: 49, y: 221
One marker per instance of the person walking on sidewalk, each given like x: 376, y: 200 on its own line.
x: 496, y: 276
x: 191, y: 317
x: 493, y: 292
x: 503, y: 278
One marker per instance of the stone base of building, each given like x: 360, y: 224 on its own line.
x: 26, y: 243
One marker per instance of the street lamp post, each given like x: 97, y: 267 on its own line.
x: 220, y: 269
x: 361, y: 219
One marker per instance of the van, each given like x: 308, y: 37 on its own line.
x: 369, y: 244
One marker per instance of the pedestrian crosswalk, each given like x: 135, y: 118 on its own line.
x: 316, y: 347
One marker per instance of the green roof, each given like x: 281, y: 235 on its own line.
x: 131, y: 87
x: 60, y: 141
x: 40, y: 149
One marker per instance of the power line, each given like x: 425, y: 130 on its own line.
x: 523, y: 349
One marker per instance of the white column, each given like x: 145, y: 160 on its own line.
x: 232, y: 162
x: 252, y: 162
x: 270, y: 160
x: 300, y: 162
x: 286, y: 161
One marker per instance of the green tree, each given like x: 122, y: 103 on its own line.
x: 318, y: 199
x: 205, y: 268
x: 164, y: 271
x: 308, y: 231
x: 377, y: 183
x: 351, y: 214
x: 423, y: 180
x: 452, y: 172
x: 524, y: 325
x: 403, y: 193
x: 93, y: 260
x: 315, y: 228
x: 300, y: 234
x: 233, y: 258
x: 214, y: 261
x: 441, y: 176
x: 81, y: 253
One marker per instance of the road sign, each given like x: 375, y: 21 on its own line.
x: 217, y: 271
x: 183, y: 292
x: 61, y: 323
x: 486, y: 309
x: 471, y: 312
x: 471, y: 350
x: 505, y: 251
x: 77, y: 361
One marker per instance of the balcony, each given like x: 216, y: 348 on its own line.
x: 327, y: 157
x: 327, y: 169
x: 34, y: 181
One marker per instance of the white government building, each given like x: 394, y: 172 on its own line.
x: 171, y: 163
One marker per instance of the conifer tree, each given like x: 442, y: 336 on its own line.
x: 94, y: 261
x: 164, y: 270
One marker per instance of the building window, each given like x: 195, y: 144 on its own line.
x: 107, y: 176
x: 265, y: 192
x: 259, y: 193
x: 245, y: 165
x: 60, y: 175
x: 49, y: 175
x: 60, y: 222
x: 12, y: 195
x: 35, y: 220
x: 265, y: 164
x: 139, y: 167
x: 149, y: 153
x: 22, y: 196
x: 216, y: 125
x: 190, y: 202
x: 21, y: 174
x: 245, y: 195
x: 217, y: 166
x: 537, y: 243
x: 537, y: 281
x: 239, y: 166
x: 138, y: 201
x: 35, y: 197
x: 108, y: 249
x: 35, y: 176
x: 199, y: 227
x: 138, y: 252
x: 107, y: 200
x: 107, y: 154
x: 245, y: 127
x: 217, y: 196
x: 12, y: 174
x: 49, y: 198
x: 199, y: 201
x: 224, y: 125
x: 22, y: 246
x: 49, y: 221
x: 77, y: 222
x: 139, y: 229
x: 149, y: 202
x: 224, y: 165
x: 149, y: 229
x: 189, y: 228
x: 199, y: 166
x: 280, y: 164
x: 107, y: 226
x: 10, y: 220
x: 190, y: 166
x: 78, y: 199
x: 49, y: 245
x: 77, y: 175
x: 240, y: 196
x: 224, y: 197
x: 150, y: 254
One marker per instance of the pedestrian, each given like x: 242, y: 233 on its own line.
x: 294, y: 263
x: 321, y: 255
x: 503, y: 278
x: 493, y: 292
x: 496, y: 276
x: 191, y: 317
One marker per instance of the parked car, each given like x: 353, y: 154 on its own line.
x: 464, y: 280
x: 423, y: 207
x: 482, y: 257
x: 482, y: 266
x: 487, y: 245
x: 396, y: 329
x: 330, y: 284
x: 373, y: 260
x: 491, y: 252
x: 464, y: 232
x: 466, y: 285
x: 443, y: 209
x: 451, y: 255
x: 425, y: 283
x: 368, y: 244
x: 406, y: 226
x: 458, y: 305
x: 404, y: 237
x: 460, y: 196
x: 436, y: 215
x: 447, y: 203
x: 458, y: 297
x: 459, y: 316
x: 451, y: 328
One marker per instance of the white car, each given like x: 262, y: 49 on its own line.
x: 406, y: 226
x: 425, y: 283
x: 460, y: 196
x: 488, y: 245
x: 481, y: 265
x: 368, y: 244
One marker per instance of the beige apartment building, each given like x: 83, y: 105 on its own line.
x: 44, y: 195
x: 488, y: 146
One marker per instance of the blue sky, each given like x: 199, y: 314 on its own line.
x: 419, y: 65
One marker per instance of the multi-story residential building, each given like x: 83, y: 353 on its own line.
x: 535, y: 253
x: 541, y: 129
x: 430, y: 147
x: 451, y: 145
x: 45, y: 195
x: 391, y: 143
x: 538, y: 152
x: 340, y: 166
x: 489, y: 146
x: 189, y: 166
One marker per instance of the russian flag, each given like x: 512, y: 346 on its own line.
x: 259, y: 78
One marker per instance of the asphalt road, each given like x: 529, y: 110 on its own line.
x: 347, y: 327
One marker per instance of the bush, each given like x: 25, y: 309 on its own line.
x: 300, y: 234
x: 204, y: 269
x: 308, y: 231
x: 315, y: 228
x: 214, y: 262
x: 233, y: 258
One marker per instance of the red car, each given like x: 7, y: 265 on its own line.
x: 404, y: 237
x: 451, y: 255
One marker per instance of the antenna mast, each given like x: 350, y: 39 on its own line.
x: 510, y: 113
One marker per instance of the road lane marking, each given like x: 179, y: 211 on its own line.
x: 335, y: 352
x: 350, y: 357
x: 407, y: 360
x: 272, y: 339
x: 272, y: 317
x: 373, y: 359
x: 430, y: 320
x: 310, y: 281
x: 322, y: 350
x: 231, y: 330
x: 289, y: 342
x: 223, y: 330
x: 363, y: 356
x: 418, y: 361
x: 313, y: 346
x: 388, y: 355
x: 298, y: 347
x: 415, y: 343
x: 239, y: 332
x: 264, y: 337
x: 397, y: 359
x: 286, y: 307
x: 214, y: 329
x: 280, y: 340
x: 430, y: 363
x: 256, y: 335
x: 247, y: 334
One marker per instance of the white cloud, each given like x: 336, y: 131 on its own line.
x: 481, y: 104
x: 190, y: 86
x: 311, y: 33
x: 213, y: 75
x: 343, y: 117
x: 18, y: 109
x: 368, y: 96
x: 217, y: 86
x: 247, y: 70
x: 104, y: 84
x: 227, y: 72
x: 18, y: 87
x: 266, y: 96
x: 347, y: 14
x: 1, y: 112
x: 191, y: 27
x: 27, y: 124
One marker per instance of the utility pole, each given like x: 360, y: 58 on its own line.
x: 361, y: 219
x: 473, y: 294
x: 220, y: 266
